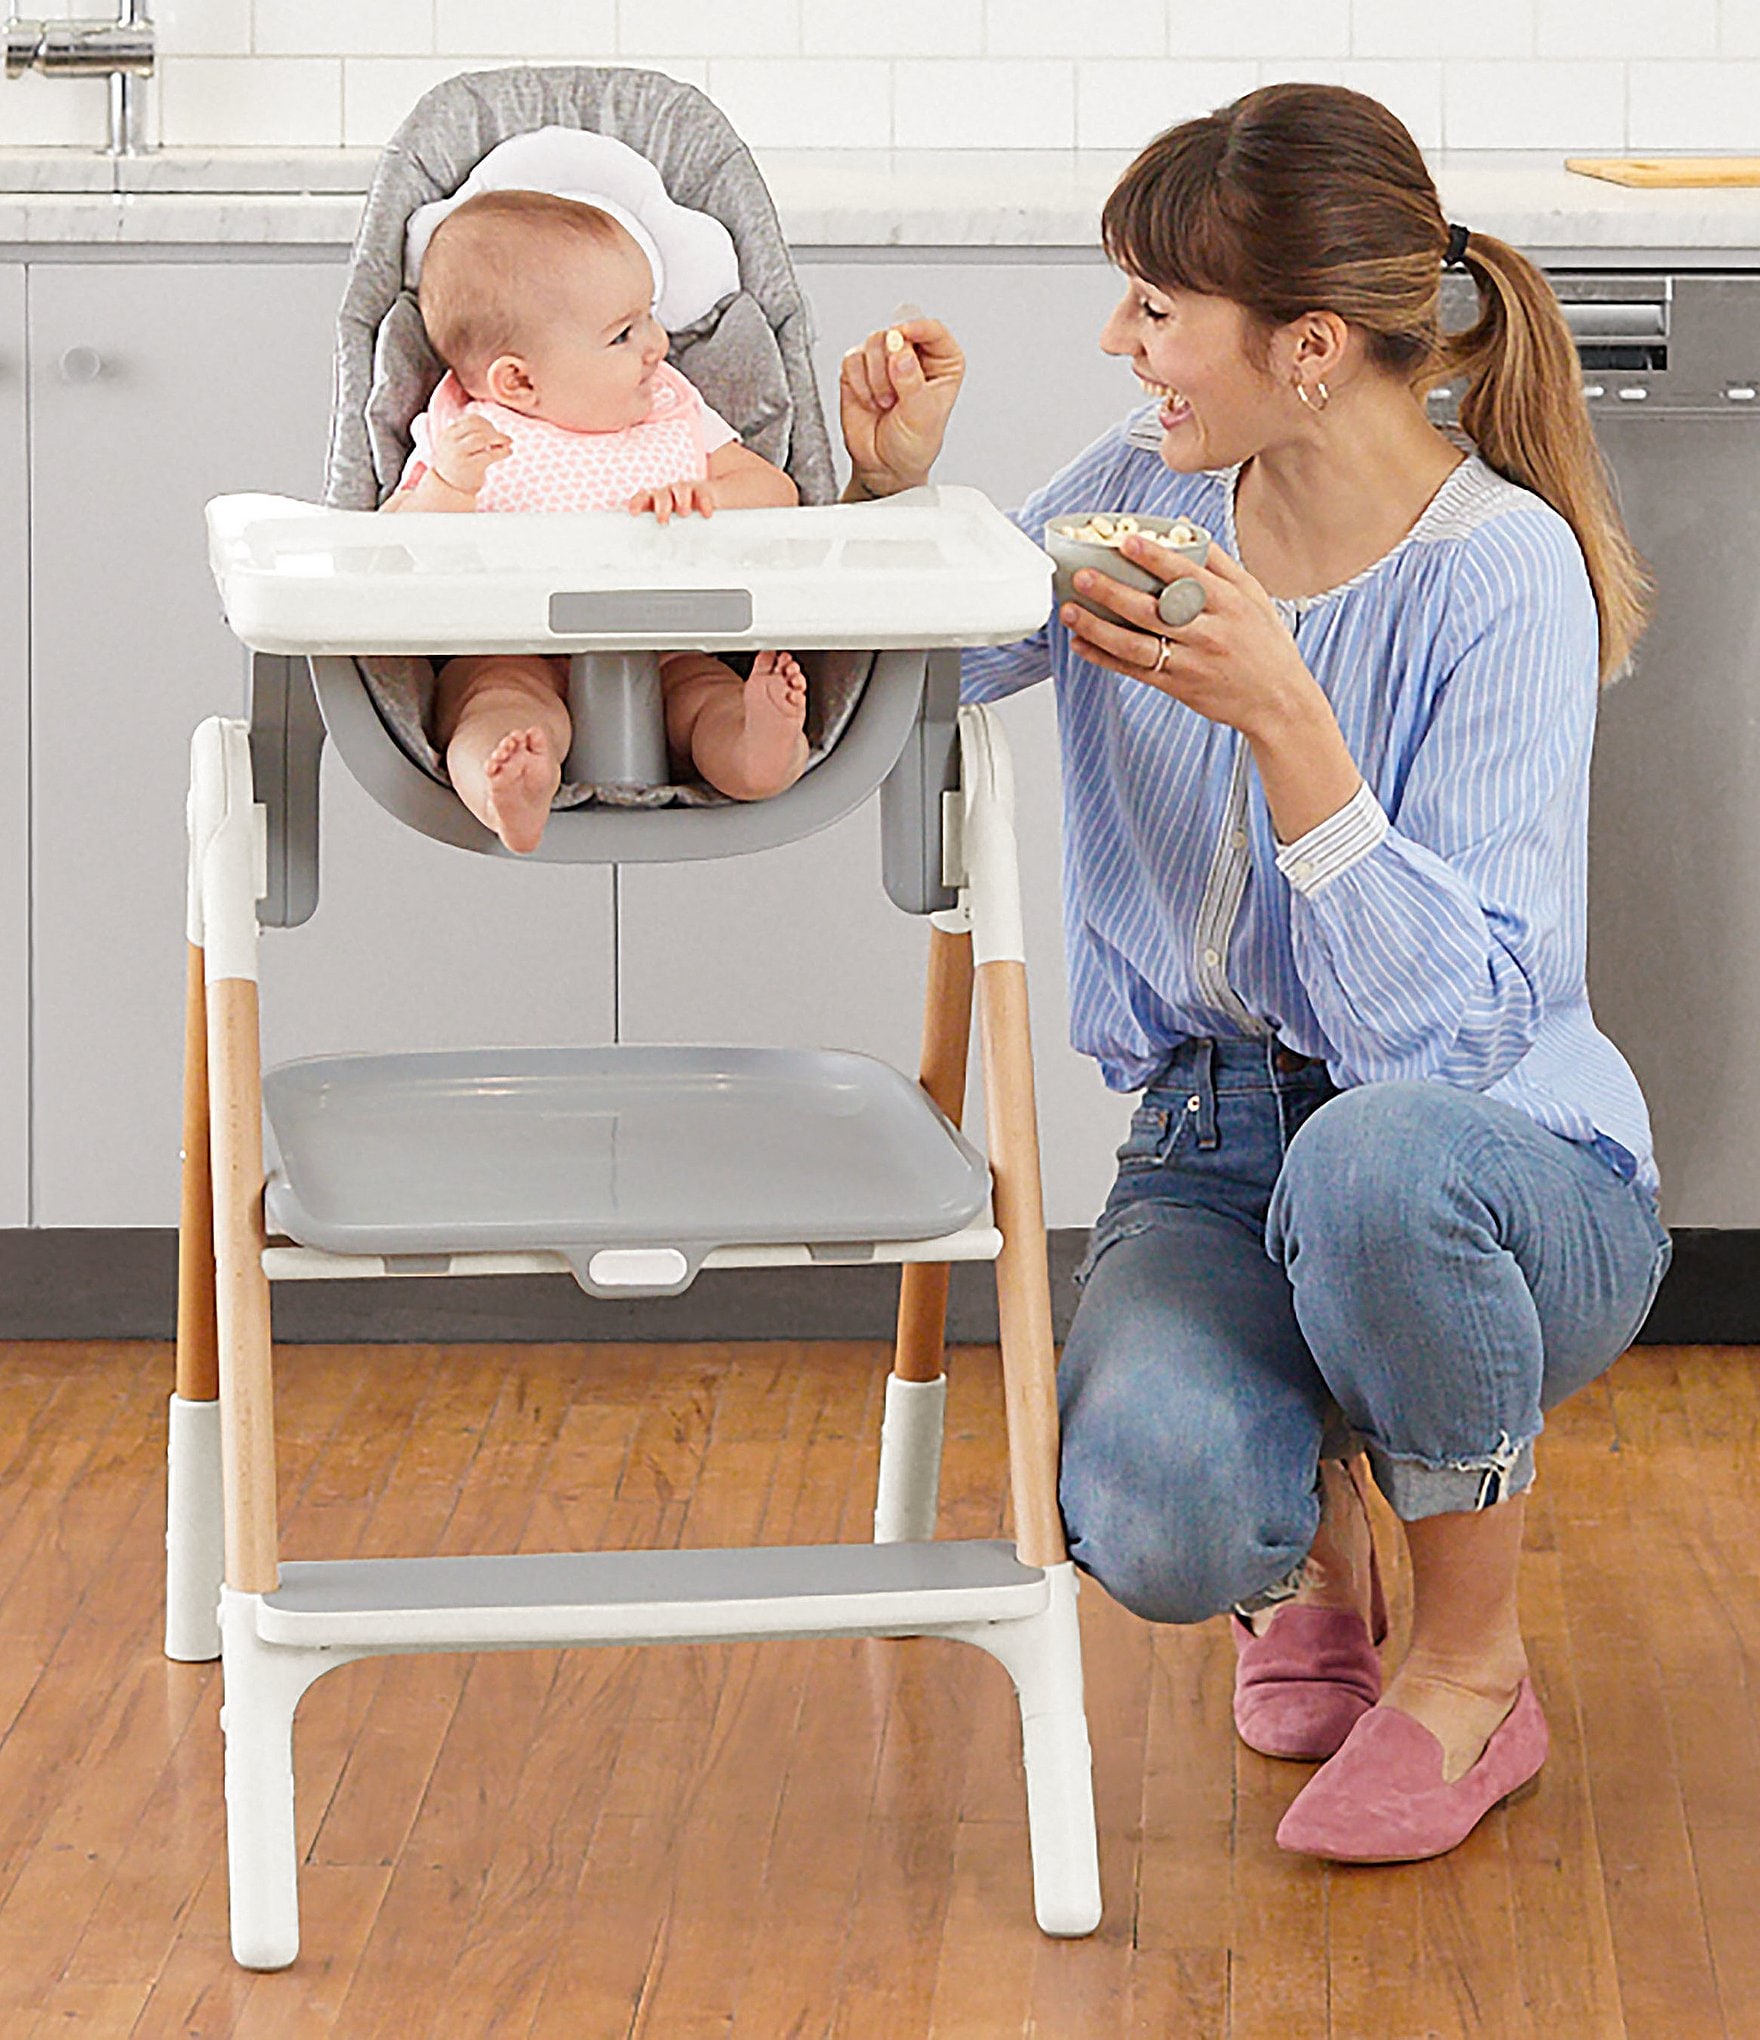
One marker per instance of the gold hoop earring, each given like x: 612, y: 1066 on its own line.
x: 1308, y: 402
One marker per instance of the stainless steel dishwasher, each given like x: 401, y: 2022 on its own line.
x: 1671, y: 368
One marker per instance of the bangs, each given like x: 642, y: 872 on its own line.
x: 1166, y: 220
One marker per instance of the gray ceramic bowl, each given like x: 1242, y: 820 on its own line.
x: 1180, y: 600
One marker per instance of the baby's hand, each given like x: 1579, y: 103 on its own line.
x: 684, y: 497
x: 465, y: 450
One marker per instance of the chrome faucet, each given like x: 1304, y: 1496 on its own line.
x: 121, y: 50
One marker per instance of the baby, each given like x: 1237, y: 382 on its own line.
x: 559, y: 397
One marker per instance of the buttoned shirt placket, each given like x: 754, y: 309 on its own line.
x: 1224, y: 890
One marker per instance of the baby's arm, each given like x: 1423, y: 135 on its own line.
x: 462, y: 455
x: 738, y: 479
x: 744, y: 480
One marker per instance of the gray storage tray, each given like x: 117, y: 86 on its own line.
x: 579, y: 1149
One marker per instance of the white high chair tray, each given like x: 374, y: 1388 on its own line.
x: 931, y: 567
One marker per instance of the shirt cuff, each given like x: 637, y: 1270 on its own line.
x: 1331, y: 847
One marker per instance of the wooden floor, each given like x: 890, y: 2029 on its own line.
x: 785, y: 1841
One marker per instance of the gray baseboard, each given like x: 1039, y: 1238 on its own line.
x: 66, y: 1283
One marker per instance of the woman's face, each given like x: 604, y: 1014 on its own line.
x: 1190, y: 353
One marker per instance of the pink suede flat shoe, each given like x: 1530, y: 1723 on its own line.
x: 1382, y: 1798
x: 1301, y: 1687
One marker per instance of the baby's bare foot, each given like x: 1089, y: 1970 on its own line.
x: 775, y: 702
x: 521, y: 774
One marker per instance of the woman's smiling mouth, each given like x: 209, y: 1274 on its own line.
x: 1174, y: 408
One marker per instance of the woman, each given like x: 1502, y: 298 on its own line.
x: 1387, y: 1188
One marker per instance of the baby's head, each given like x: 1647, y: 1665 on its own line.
x: 544, y: 304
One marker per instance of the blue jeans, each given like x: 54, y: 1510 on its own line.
x: 1285, y: 1271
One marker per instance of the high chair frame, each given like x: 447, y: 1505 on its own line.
x: 281, y: 1625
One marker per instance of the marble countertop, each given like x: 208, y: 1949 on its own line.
x: 827, y: 198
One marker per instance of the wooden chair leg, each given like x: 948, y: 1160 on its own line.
x: 1023, y: 1289
x: 247, y: 1401
x: 947, y: 1040
x: 909, y: 1493
x: 198, y: 1365
x: 194, y: 1508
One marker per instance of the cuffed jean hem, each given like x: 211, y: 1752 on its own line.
x: 1416, y: 1488
x: 1273, y: 1596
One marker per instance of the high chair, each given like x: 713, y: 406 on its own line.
x: 478, y: 1162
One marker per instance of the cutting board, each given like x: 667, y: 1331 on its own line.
x: 1658, y: 172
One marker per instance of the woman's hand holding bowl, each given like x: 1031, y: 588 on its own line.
x: 895, y: 392
x: 1235, y: 662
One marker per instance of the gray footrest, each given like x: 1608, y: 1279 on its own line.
x: 647, y: 1596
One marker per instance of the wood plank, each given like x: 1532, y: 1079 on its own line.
x: 141, y: 1910
x: 805, y: 1910
x: 983, y: 1982
x: 1669, y: 172
x: 1709, y: 1672
x: 1662, y: 1955
x: 78, y: 1767
x: 96, y: 1426
x: 806, y: 1907
x: 804, y: 1838
x: 1181, y: 1906
x: 100, y: 2009
x: 528, y: 1904
x: 338, y: 1905
x: 1563, y: 1937
x: 199, y: 1995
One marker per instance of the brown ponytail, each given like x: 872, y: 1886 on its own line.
x: 1303, y: 198
x: 1524, y: 410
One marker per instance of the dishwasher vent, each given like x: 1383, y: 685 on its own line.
x: 1628, y: 331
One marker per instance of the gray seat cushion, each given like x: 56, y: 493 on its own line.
x: 750, y: 355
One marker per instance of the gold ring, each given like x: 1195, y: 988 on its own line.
x: 1166, y: 645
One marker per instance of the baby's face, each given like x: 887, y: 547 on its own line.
x: 591, y: 366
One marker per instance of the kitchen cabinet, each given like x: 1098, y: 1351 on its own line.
x: 15, y: 866
x: 156, y: 385
x: 799, y: 945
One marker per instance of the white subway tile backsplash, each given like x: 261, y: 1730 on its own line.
x: 1413, y: 91
x: 1122, y: 105
x: 1523, y: 106
x: 1628, y: 28
x: 805, y: 102
x: 687, y: 70
x: 715, y: 28
x: 984, y: 103
x: 1053, y: 28
x: 1301, y: 71
x: 1258, y: 28
x: 1738, y: 33
x: 511, y: 29
x: 1525, y: 74
x: 52, y: 113
x: 202, y: 28
x: 948, y: 28
x: 243, y: 102
x: 1421, y: 28
x: 344, y: 28
x: 1695, y: 106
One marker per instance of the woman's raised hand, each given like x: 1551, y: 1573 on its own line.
x: 895, y: 392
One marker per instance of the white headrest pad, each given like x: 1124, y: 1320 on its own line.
x: 692, y: 256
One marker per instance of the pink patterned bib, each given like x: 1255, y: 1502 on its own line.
x: 551, y: 468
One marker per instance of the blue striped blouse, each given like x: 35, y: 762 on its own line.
x: 1435, y: 926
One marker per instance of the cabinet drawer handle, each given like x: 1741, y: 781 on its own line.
x: 81, y: 365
